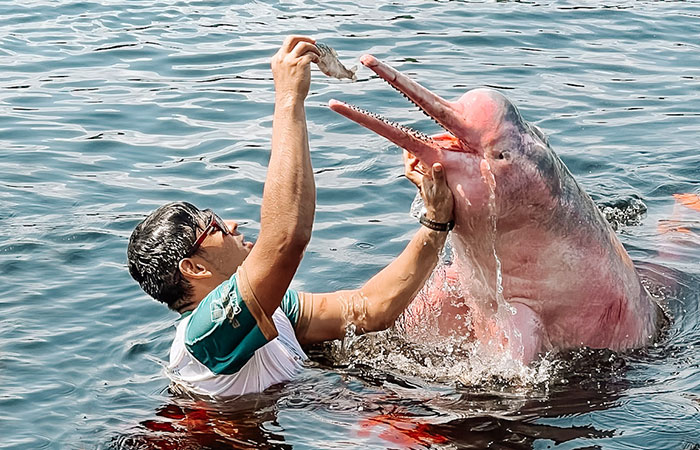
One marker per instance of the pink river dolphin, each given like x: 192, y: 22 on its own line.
x: 536, y: 263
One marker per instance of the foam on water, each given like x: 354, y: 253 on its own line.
x: 452, y: 359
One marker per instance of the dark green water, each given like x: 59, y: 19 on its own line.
x: 109, y: 109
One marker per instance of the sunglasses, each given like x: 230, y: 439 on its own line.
x: 216, y: 223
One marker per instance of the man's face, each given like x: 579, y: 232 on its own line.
x: 225, y: 252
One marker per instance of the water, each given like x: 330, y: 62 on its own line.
x: 112, y: 108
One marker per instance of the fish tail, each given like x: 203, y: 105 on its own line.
x: 353, y: 69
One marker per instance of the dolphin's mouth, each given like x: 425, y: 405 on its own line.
x: 444, y: 113
x: 401, y: 135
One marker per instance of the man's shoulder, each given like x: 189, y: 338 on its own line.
x: 222, y: 333
x: 222, y: 307
x: 225, y: 300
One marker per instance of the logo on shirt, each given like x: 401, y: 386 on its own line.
x: 217, y: 312
x: 232, y: 309
x: 227, y: 307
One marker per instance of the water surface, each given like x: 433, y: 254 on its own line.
x: 109, y: 109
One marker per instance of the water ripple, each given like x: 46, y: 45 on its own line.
x: 108, y: 109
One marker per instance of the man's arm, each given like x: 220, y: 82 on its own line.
x: 289, y: 195
x: 377, y: 304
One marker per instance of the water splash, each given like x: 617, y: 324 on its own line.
x: 493, y: 219
x: 354, y: 310
x: 447, y: 360
x: 438, y: 337
x: 622, y: 213
x: 421, y: 345
x: 503, y: 308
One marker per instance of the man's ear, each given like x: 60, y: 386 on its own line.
x: 193, y: 270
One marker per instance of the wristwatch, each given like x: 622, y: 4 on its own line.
x: 433, y: 225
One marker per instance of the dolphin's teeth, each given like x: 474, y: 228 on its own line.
x: 410, y: 131
x: 420, y: 109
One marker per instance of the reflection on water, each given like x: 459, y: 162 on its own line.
x: 379, y: 408
x: 110, y: 109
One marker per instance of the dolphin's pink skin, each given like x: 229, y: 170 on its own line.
x: 566, y: 278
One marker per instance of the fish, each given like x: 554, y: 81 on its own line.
x: 331, y: 65
x: 536, y: 266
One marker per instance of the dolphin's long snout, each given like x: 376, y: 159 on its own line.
x: 370, y: 61
x: 415, y: 142
x: 446, y: 114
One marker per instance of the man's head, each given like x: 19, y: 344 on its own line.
x: 178, y: 251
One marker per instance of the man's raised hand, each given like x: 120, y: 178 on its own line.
x: 290, y: 67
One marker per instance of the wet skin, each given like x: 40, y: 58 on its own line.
x: 567, y: 281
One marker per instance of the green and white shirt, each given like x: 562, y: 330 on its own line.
x: 220, y: 351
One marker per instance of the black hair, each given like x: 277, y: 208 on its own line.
x: 156, y: 247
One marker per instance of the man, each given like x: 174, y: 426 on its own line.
x: 242, y: 327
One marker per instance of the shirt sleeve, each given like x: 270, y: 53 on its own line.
x: 291, y: 306
x: 222, y: 334
x: 298, y: 306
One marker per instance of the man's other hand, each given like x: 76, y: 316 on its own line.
x: 432, y: 184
